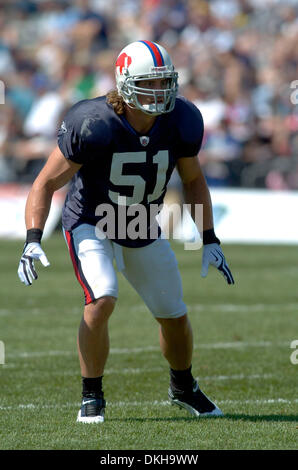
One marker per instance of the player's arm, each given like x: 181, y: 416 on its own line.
x: 55, y: 174
x: 196, y: 191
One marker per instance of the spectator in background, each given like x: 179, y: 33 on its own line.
x: 236, y: 60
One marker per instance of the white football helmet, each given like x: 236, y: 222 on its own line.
x: 145, y: 60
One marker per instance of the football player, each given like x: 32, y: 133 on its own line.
x: 118, y: 152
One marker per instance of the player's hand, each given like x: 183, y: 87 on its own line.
x: 212, y: 254
x: 32, y: 251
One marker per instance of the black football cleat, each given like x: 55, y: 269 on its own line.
x: 92, y: 410
x: 194, y: 401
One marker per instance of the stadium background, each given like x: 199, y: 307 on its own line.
x: 238, y: 61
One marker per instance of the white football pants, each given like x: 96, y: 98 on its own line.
x: 151, y: 270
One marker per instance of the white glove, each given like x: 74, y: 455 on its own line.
x: 26, y: 269
x: 212, y: 254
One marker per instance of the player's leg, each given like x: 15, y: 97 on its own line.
x: 153, y: 272
x: 93, y: 336
x: 176, y: 341
x: 93, y: 263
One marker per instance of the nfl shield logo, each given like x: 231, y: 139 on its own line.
x: 144, y: 139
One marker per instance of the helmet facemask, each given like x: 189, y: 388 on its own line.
x: 163, y: 100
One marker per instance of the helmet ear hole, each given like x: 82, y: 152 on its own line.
x: 145, y: 60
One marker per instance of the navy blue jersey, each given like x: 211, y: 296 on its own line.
x: 121, y: 167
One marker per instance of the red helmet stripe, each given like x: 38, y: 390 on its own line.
x: 155, y: 52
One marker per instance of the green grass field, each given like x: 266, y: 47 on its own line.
x: 242, y: 337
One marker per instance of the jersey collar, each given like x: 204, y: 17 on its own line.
x: 133, y: 131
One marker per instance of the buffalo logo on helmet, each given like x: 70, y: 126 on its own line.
x: 123, y: 62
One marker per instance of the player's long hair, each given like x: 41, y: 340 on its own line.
x: 116, y: 100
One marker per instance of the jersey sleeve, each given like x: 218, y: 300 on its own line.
x: 71, y: 140
x: 190, y: 129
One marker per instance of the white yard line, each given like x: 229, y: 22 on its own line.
x: 201, y: 378
x: 221, y: 308
x: 146, y: 370
x: 221, y: 345
x: 230, y: 308
x: 121, y: 404
x: 239, y: 308
x: 236, y: 377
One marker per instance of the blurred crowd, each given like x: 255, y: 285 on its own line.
x: 237, y: 60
